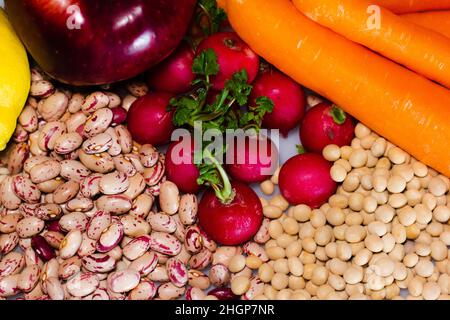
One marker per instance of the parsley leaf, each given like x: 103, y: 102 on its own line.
x: 216, y: 16
x: 239, y: 88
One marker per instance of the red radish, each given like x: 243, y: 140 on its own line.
x: 254, y: 159
x: 326, y: 124
x: 180, y: 167
x: 306, y: 179
x: 234, y: 222
x: 148, y: 119
x: 174, y: 74
x: 233, y: 55
x: 288, y: 97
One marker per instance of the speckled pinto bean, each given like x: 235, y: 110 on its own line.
x: 41, y: 88
x: 19, y: 153
x: 114, y: 183
x: 25, y: 189
x: 53, y: 107
x: 99, y: 294
x: 124, y: 138
x: 95, y: 101
x: 45, y: 171
x: 8, y: 223
x: 165, y: 243
x: 136, y: 187
x: 135, y: 226
x: 208, y: 243
x: 69, y: 267
x: 262, y: 236
x: 177, y: 271
x: 99, y: 262
x: 54, y: 288
x: 97, y: 144
x: 29, y: 277
x: 65, y: 192
x: 90, y: 185
x: 136, y: 247
x: 169, y: 291
x: 75, y: 121
x: 100, y: 163
x: 219, y: 275
x: 88, y: 246
x: 135, y: 160
x: 124, y: 165
x: 188, y: 209
x: 98, y: 223
x: 193, y: 293
x: 198, y: 279
x: 74, y: 221
x: 7, y: 195
x: 114, y: 149
x: 28, y: 119
x: 146, y: 290
x: 68, y: 143
x: 8, y: 242
x: 148, y: 155
x: 193, y: 241
x: 141, y: 206
x: 12, y: 263
x: 145, y: 264
x: 80, y: 205
x: 53, y: 238
x: 75, y: 103
x: 31, y: 258
x: 74, y: 170
x: 33, y: 145
x: 48, y: 211
x: 256, y: 288
x: 154, y: 174
x: 9, y: 286
x: 162, y: 222
x: 169, y: 198
x: 29, y: 227
x: 32, y: 161
x: 114, y: 204
x: 201, y: 260
x: 71, y: 243
x: 20, y: 135
x: 123, y: 281
x: 110, y: 238
x: 50, y: 134
x: 98, y: 122
x: 82, y: 284
x: 252, y: 248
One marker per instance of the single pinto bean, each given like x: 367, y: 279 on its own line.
x: 41, y: 88
x: 100, y: 163
x: 99, y: 222
x: 168, y: 291
x: 188, y: 209
x: 7, y: 196
x: 154, y: 174
x: 75, y: 103
x: 75, y: 121
x: 29, y: 227
x: 68, y: 143
x: 162, y: 222
x: 169, y: 198
x: 123, y: 281
x: 71, y: 243
x: 65, y: 192
x: 45, y: 171
x: 9, y: 222
x: 99, y: 262
x: 136, y: 247
x: 149, y: 155
x: 135, y: 226
x: 98, y: 144
x: 124, y: 165
x: 9, y: 285
x: 114, y: 183
x: 28, y: 119
x: 145, y: 264
x: 12, y: 263
x: 95, y: 101
x: 110, y: 238
x: 165, y: 243
x: 141, y: 206
x: 19, y: 153
x: 114, y: 204
x: 146, y: 290
x: 8, y: 242
x: 98, y: 122
x: 29, y: 278
x: 50, y: 134
x: 53, y: 107
x: 82, y: 284
x: 136, y: 187
x: 69, y: 267
x: 124, y: 137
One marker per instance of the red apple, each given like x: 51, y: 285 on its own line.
x: 86, y: 42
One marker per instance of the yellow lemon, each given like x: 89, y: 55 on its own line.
x: 14, y: 79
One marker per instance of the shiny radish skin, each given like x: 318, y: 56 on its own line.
x: 326, y: 124
x: 233, y: 55
x: 288, y: 97
x: 183, y: 173
x: 306, y: 179
x: 259, y: 160
x: 148, y: 119
x: 174, y: 74
x: 233, y: 223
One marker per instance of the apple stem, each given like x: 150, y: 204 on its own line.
x: 225, y: 193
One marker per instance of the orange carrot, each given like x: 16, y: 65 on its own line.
x: 398, y: 104
x: 438, y: 21
x: 408, y: 6
x: 422, y: 50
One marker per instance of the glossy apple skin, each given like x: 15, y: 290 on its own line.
x: 86, y: 42
x: 234, y: 223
